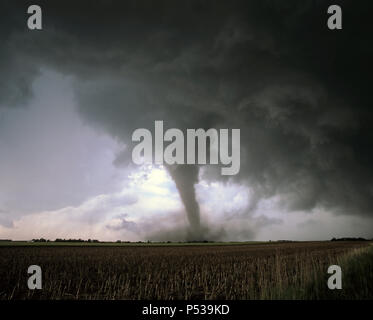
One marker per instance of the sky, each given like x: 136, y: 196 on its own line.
x: 72, y: 93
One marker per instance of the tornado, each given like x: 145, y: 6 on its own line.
x: 185, y: 177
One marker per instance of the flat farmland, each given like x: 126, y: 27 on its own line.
x: 294, y: 270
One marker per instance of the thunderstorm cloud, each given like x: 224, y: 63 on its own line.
x: 299, y: 93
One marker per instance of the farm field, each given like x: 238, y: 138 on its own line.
x: 294, y: 270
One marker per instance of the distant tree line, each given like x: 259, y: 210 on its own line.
x: 65, y: 240
x: 349, y: 239
x: 77, y: 240
x: 201, y: 241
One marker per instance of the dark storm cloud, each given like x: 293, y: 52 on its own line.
x: 299, y: 92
